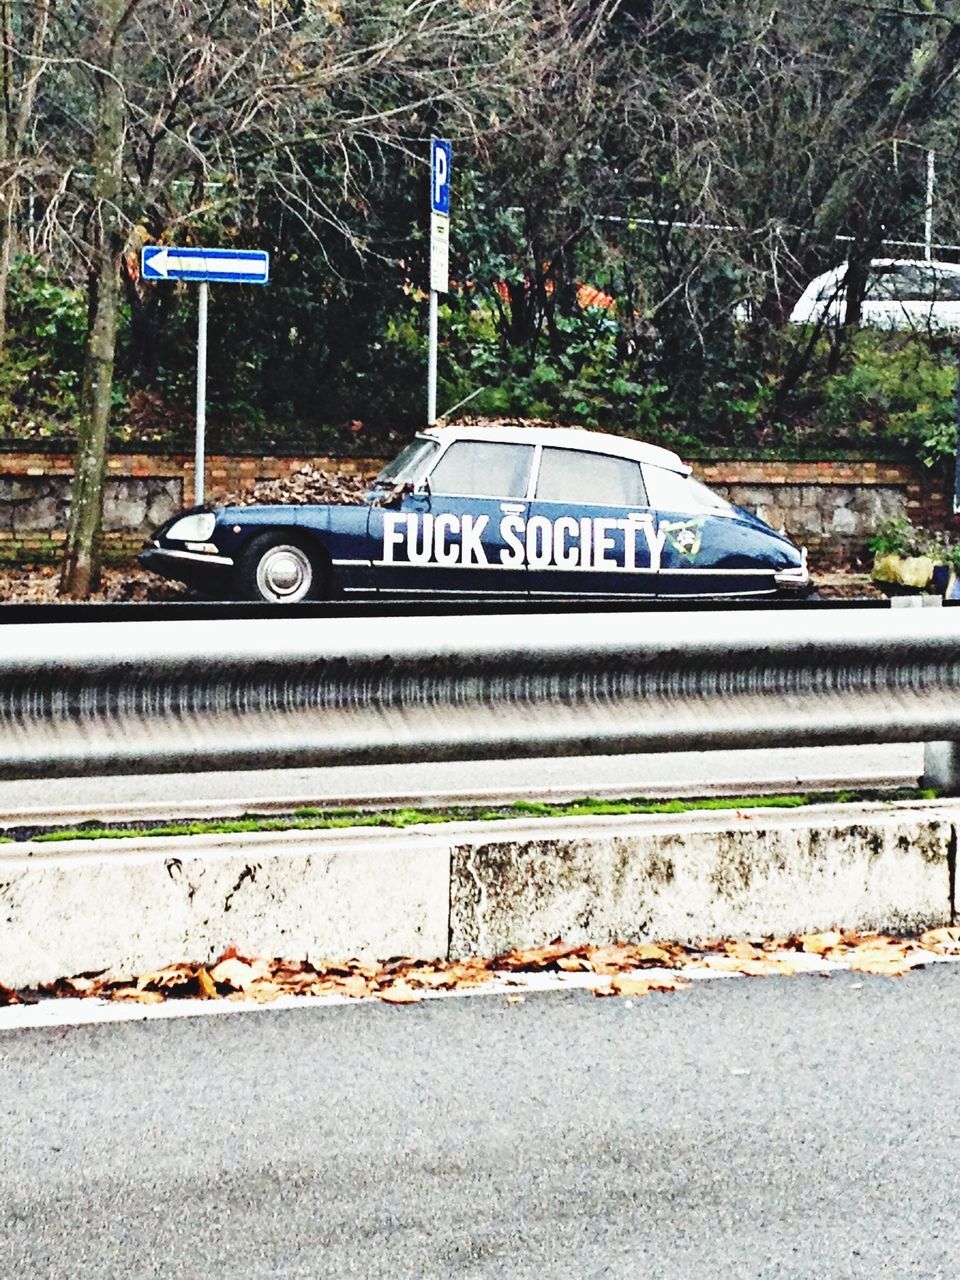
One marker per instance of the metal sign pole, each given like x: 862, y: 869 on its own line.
x: 440, y: 166
x: 201, y: 266
x: 198, y: 474
x: 928, y: 210
x: 432, y: 362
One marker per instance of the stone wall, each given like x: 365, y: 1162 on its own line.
x: 831, y: 507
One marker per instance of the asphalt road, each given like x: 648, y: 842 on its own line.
x: 801, y: 1129
x: 682, y: 773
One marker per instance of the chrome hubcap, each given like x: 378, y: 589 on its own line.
x: 284, y: 573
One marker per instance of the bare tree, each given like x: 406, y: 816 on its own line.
x: 199, y: 110
x: 24, y: 29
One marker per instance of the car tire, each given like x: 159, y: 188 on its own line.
x: 276, y: 568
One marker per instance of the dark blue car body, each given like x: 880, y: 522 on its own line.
x: 493, y: 512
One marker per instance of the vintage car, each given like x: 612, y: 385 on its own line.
x: 489, y: 512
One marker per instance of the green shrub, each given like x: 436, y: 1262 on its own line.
x: 898, y: 387
x: 40, y: 370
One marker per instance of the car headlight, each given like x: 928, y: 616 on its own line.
x: 193, y: 528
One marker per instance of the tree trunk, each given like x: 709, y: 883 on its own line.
x: 81, y: 563
x: 7, y: 93
x: 8, y: 206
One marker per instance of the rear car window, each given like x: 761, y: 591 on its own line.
x: 575, y: 476
x: 482, y: 469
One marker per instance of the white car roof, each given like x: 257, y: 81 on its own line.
x: 564, y: 438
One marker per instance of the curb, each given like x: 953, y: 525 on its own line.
x: 472, y: 888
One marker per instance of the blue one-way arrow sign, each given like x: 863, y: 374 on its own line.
x: 221, y: 266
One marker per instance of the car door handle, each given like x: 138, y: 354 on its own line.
x: 512, y: 508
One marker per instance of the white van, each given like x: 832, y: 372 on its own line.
x: 900, y: 294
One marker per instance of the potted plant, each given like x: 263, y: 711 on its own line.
x: 908, y: 559
x: 902, y: 564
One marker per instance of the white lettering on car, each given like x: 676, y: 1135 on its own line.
x: 471, y: 533
x: 566, y: 553
x: 511, y: 531
x: 586, y: 542
x: 603, y: 542
x: 539, y: 542
x: 590, y: 543
x: 393, y: 535
x: 420, y: 550
x: 444, y: 552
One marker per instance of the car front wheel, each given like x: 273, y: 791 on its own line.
x: 278, y: 571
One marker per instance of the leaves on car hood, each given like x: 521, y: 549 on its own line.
x: 308, y: 483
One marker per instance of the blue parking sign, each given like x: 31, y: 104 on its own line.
x: 441, y: 165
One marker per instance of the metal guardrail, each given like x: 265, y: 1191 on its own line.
x: 155, y: 697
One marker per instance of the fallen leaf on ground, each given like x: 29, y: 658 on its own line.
x: 625, y: 984
x: 885, y: 962
x: 946, y: 941
x: 742, y: 950
x: 625, y: 957
x: 266, y: 992
x: 168, y: 978
x: 208, y: 988
x: 534, y: 959
x: 136, y: 995
x: 239, y: 974
x: 400, y: 993
x: 356, y: 986
x: 819, y: 944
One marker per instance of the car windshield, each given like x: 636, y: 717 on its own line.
x: 707, y: 498
x: 409, y: 465
x: 673, y: 491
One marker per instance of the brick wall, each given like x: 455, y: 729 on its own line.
x: 140, y: 492
x: 832, y: 507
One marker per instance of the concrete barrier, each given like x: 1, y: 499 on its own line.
x: 468, y: 888
x: 134, y: 905
x: 754, y: 873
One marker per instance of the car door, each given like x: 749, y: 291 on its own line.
x: 590, y: 530
x: 461, y: 531
x: 708, y: 547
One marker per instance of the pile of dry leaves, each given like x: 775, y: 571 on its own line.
x: 40, y: 585
x: 624, y: 969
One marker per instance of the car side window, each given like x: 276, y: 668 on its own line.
x: 946, y: 286
x: 885, y: 284
x: 933, y: 286
x: 575, y: 476
x: 483, y: 469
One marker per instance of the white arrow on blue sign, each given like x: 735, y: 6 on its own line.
x: 220, y: 266
x: 441, y: 164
